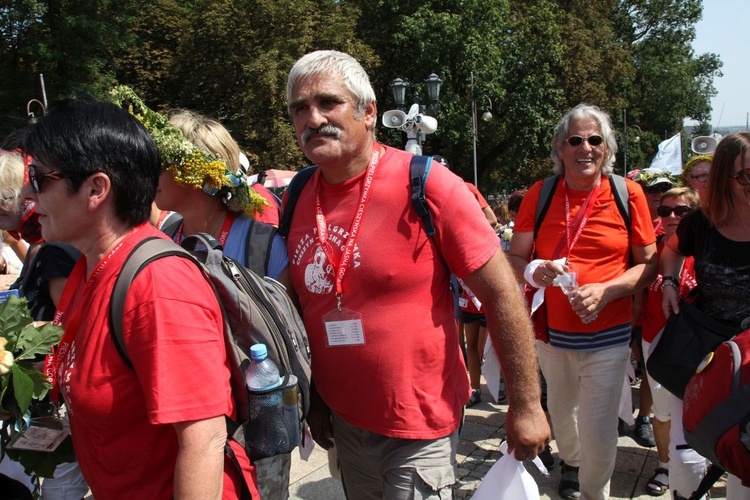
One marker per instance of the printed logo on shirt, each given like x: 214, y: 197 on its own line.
x: 319, y: 273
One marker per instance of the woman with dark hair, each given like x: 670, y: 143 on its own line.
x: 156, y: 429
x: 718, y: 238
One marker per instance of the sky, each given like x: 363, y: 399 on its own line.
x: 723, y: 31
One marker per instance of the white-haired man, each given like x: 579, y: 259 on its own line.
x: 390, y: 382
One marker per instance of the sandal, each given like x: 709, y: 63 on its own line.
x: 655, y: 487
x: 569, y: 488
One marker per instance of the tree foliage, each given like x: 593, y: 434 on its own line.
x: 529, y: 60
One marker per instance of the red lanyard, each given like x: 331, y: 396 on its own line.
x: 320, y: 218
x: 582, y: 217
x: 225, y: 228
x: 77, y: 275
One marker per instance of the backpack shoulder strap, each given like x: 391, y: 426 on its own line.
x: 258, y: 247
x: 293, y: 191
x: 545, y: 198
x: 419, y: 169
x: 622, y: 197
x: 171, y: 224
x: 146, y: 251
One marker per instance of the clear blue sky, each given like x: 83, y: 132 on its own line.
x: 723, y: 31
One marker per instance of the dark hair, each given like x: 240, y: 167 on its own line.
x: 515, y: 199
x: 81, y: 136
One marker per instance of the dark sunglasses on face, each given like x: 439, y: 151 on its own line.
x: 658, y: 188
x: 577, y: 140
x: 679, y: 210
x: 743, y: 177
x: 36, y: 177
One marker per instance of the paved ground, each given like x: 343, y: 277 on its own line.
x: 483, y: 431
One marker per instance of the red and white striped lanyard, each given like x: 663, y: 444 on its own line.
x: 585, y: 210
x: 225, y: 228
x: 346, y: 256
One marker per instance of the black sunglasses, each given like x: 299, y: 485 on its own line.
x: 577, y: 140
x: 658, y: 188
x: 743, y: 177
x: 36, y: 177
x: 679, y: 210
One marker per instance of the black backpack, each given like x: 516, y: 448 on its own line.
x: 255, y: 310
x: 419, y: 169
x: 619, y: 191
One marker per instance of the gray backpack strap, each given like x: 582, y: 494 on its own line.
x: 545, y: 198
x: 258, y: 247
x: 146, y: 251
x: 622, y: 197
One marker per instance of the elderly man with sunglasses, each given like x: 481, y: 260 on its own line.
x: 584, y: 356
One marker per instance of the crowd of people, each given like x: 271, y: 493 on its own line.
x: 608, y: 257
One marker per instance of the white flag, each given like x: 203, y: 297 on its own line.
x: 669, y: 156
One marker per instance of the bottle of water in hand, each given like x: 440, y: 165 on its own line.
x: 262, y: 374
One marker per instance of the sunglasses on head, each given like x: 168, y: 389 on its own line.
x: 743, y: 177
x: 577, y: 140
x: 657, y: 188
x: 679, y: 210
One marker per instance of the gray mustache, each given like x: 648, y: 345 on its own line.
x: 329, y: 129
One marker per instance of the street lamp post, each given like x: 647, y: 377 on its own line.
x: 486, y: 116
x: 417, y: 123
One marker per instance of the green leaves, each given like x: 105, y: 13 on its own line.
x: 38, y: 341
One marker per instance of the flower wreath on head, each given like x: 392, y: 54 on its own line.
x: 186, y: 162
x: 648, y: 175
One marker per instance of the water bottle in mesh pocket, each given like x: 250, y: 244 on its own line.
x: 273, y: 426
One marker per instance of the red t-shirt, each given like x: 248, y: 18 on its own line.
x: 480, y: 199
x: 271, y: 213
x: 652, y: 316
x: 408, y: 380
x: 601, y: 253
x: 121, y: 418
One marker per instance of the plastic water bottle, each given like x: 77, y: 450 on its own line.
x: 262, y: 374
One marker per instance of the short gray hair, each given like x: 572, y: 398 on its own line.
x: 337, y: 63
x: 562, y: 129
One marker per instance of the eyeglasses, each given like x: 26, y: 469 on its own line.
x: 742, y: 177
x: 657, y: 188
x: 699, y: 177
x: 577, y: 140
x: 679, y: 210
x: 36, y: 177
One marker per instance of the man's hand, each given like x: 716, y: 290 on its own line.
x: 527, y: 432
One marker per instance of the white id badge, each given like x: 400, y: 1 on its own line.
x: 463, y: 302
x: 38, y: 438
x: 343, y: 327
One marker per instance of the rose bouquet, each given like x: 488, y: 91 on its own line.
x: 22, y: 386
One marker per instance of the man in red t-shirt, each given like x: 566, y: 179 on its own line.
x: 374, y: 293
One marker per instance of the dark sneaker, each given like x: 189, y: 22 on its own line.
x: 644, y: 432
x: 476, y: 397
x: 546, y: 457
x: 569, y: 488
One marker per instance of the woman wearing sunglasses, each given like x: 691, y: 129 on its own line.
x: 589, y: 334
x: 718, y: 238
x: 673, y: 206
x: 695, y: 173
